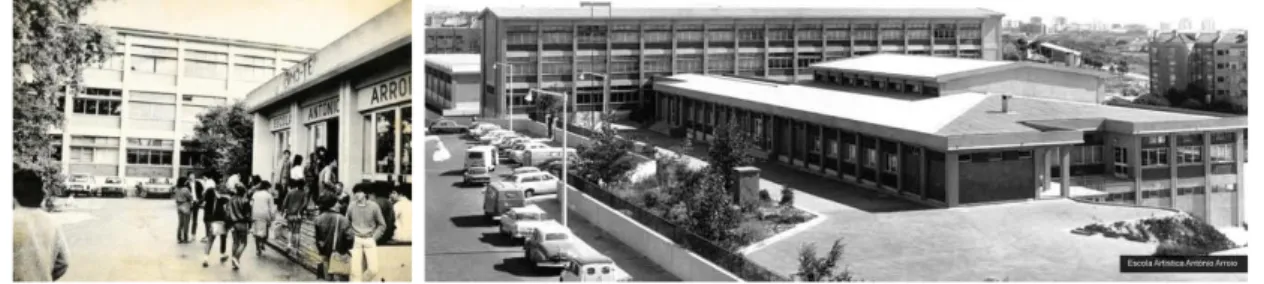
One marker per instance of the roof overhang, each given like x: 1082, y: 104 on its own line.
x: 1153, y: 127
x: 1018, y: 65
x: 386, y: 32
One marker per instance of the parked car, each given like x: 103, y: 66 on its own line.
x: 518, y: 153
x: 490, y: 136
x: 500, y: 141
x: 80, y: 184
x: 548, y: 244
x: 499, y: 197
x: 112, y: 186
x: 479, y: 128
x: 156, y: 187
x: 534, y: 183
x: 589, y: 265
x: 446, y: 126
x: 525, y: 170
x: 519, y: 222
x: 554, y: 166
x: 477, y: 175
x: 507, y: 148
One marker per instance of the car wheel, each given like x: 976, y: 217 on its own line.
x: 528, y: 194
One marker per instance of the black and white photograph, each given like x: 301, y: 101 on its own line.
x: 901, y: 140
x: 212, y: 141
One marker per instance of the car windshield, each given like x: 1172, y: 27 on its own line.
x: 475, y: 155
x: 113, y: 180
x: 555, y: 237
x: 79, y: 179
x: 478, y: 170
x: 512, y: 195
x: 531, y: 216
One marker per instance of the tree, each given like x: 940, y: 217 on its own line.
x: 600, y: 159
x: 711, y: 212
x: 731, y: 148
x: 227, y: 135
x: 821, y: 269
x: 1152, y: 99
x: 50, y: 50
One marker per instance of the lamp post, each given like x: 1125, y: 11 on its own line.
x: 605, y: 91
x: 565, y: 145
x: 508, y: 91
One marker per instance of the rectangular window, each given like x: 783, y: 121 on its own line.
x: 1154, y: 157
x: 114, y: 62
x: 252, y: 73
x: 155, y: 51
x: 207, y: 56
x: 871, y: 158
x: 1121, y: 162
x: 893, y: 163
x: 833, y: 149
x: 97, y: 107
x: 1086, y: 155
x: 851, y: 153
x: 156, y: 65
x: 255, y: 60
x: 1221, y: 153
x: 149, y: 157
x: 1154, y: 140
x: 151, y: 111
x: 1189, y: 155
x: 208, y: 70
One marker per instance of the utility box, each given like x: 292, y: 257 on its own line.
x: 746, y: 190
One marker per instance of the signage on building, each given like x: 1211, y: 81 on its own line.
x: 280, y: 121
x: 297, y: 74
x: 390, y: 91
x: 324, y: 109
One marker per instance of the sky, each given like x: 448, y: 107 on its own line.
x: 307, y: 23
x: 1227, y: 14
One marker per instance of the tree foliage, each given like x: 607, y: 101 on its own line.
x: 601, y: 159
x: 711, y: 212
x: 225, y: 134
x: 50, y: 50
x: 731, y: 148
x: 822, y: 269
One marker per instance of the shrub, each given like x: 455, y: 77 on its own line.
x: 650, y: 199
x: 764, y: 197
x: 825, y: 268
x: 679, y: 214
x: 791, y: 215
x: 750, y: 232
x: 787, y: 197
x: 1175, y: 249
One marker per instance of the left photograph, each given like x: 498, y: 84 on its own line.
x: 192, y: 141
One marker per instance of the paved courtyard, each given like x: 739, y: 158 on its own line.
x: 890, y: 239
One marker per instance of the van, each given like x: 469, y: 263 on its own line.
x: 499, y: 197
x: 588, y: 265
x: 536, y: 157
x: 482, y: 156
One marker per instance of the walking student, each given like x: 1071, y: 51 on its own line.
x: 262, y: 209
x: 332, y: 241
x: 39, y: 246
x: 239, y: 219
x: 367, y: 225
x: 196, y: 188
x: 296, y: 202
x: 208, y: 187
x: 282, y: 177
x: 184, y: 206
x: 215, y: 205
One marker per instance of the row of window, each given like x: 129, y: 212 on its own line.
x: 1186, y: 155
x: 875, y: 83
x: 136, y: 110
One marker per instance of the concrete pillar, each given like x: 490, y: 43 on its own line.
x: 351, y: 137
x: 747, y: 186
x: 1206, y: 155
x: 921, y: 169
x: 123, y: 106
x: 1064, y: 157
x: 952, y: 176
x: 1239, y: 154
x: 1171, y: 164
x: 857, y: 159
x: 1134, y: 167
x: 264, y: 148
x: 298, y: 134
x: 820, y: 136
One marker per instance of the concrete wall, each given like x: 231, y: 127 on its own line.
x: 667, y: 254
x: 997, y: 181
x: 465, y: 89
x: 1032, y: 82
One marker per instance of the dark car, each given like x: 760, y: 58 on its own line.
x: 446, y: 126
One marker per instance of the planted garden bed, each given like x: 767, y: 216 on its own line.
x: 1182, y: 234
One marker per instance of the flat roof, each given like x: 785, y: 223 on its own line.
x: 927, y: 67
x: 958, y: 115
x: 741, y: 13
x: 455, y: 63
x: 257, y: 44
x: 939, y: 69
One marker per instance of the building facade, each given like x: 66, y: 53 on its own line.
x: 1216, y: 61
x: 453, y: 40
x: 352, y: 97
x: 452, y: 84
x: 850, y: 124
x: 550, y: 47
x: 135, y: 113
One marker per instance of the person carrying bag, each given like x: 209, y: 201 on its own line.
x: 339, y: 262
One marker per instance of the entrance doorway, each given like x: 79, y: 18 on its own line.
x: 324, y: 134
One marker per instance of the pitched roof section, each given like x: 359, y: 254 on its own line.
x: 744, y: 13
x: 939, y: 69
x: 454, y: 63
x: 920, y: 66
x: 1037, y: 115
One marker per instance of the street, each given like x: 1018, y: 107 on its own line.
x: 134, y: 239
x: 462, y: 245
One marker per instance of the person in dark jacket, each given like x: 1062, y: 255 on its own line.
x: 381, y: 194
x: 215, y: 207
x: 239, y: 219
x: 184, y: 205
x: 331, y: 229
x: 196, y: 188
x: 296, y: 202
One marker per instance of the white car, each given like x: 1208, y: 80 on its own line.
x: 525, y: 170
x: 490, y: 136
x: 521, y: 221
x: 518, y: 153
x: 533, y: 184
x: 477, y: 129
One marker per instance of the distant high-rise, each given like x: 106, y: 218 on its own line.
x: 1165, y: 26
x: 1186, y: 24
x: 1209, y: 25
x: 1217, y: 59
x: 1061, y: 21
x: 1035, y: 20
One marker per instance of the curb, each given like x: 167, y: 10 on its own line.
x: 785, y: 234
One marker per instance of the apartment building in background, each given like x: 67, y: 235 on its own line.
x: 134, y: 115
x: 446, y: 40
x: 550, y: 47
x: 1217, y: 59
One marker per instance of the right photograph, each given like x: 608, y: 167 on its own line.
x: 834, y: 141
